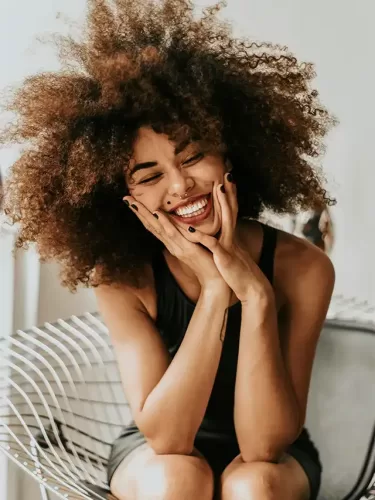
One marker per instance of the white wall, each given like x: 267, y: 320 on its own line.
x: 336, y: 35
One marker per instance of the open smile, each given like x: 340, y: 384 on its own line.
x: 204, y: 212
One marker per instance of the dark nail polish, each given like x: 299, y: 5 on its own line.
x: 230, y: 177
x: 191, y: 229
x: 126, y: 203
x: 222, y: 189
x: 135, y: 207
x: 156, y: 216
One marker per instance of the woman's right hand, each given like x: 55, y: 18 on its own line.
x: 194, y: 255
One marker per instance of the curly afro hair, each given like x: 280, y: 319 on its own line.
x: 155, y: 64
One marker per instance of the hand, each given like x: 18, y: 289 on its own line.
x: 199, y: 260
x: 235, y: 265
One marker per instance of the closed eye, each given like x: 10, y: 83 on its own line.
x: 150, y: 179
x: 193, y: 158
x: 196, y: 157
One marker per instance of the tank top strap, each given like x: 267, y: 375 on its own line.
x: 267, y: 256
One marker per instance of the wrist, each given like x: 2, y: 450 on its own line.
x: 216, y: 290
x: 261, y: 302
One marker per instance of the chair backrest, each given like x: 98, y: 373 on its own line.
x: 62, y: 402
x: 341, y: 407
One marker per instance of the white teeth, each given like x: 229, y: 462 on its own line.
x: 191, y: 208
x: 198, y: 212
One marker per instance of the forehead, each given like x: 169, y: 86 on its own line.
x: 148, y: 142
x: 151, y: 146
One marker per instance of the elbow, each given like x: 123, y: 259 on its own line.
x: 162, y: 441
x: 271, y: 454
x: 268, y: 450
x: 166, y: 446
x: 162, y: 436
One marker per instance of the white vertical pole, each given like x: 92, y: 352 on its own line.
x: 8, y: 485
x: 19, y: 304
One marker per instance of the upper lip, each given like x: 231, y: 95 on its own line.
x: 188, y: 201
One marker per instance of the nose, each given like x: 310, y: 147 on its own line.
x: 180, y: 182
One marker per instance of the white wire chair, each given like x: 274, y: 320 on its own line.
x: 62, y: 402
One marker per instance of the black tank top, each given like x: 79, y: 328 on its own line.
x: 174, y: 311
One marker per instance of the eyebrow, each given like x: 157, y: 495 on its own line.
x: 149, y: 164
x: 141, y: 166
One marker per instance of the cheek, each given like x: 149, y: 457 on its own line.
x: 147, y: 197
x: 136, y: 190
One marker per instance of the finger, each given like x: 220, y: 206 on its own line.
x: 143, y: 215
x: 195, y: 236
x: 214, y: 245
x: 160, y: 225
x: 231, y: 190
x: 155, y: 222
x: 227, y: 225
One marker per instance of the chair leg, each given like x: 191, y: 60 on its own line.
x: 44, y: 495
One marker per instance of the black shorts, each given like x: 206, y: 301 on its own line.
x: 219, y: 449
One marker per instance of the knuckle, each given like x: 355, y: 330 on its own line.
x: 169, y: 231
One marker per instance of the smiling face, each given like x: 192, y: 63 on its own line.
x: 158, y: 176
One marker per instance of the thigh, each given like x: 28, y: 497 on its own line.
x: 304, y: 451
x: 295, y: 477
x: 311, y: 468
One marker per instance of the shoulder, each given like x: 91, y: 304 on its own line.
x: 302, y: 271
x: 115, y: 294
x: 300, y: 268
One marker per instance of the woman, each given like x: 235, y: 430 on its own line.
x: 151, y: 159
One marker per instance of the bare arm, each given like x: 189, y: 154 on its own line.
x: 168, y: 397
x: 277, y: 352
x: 177, y: 404
x: 265, y: 411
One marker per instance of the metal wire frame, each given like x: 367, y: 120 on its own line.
x: 62, y: 402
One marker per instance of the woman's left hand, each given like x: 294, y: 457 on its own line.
x: 235, y: 265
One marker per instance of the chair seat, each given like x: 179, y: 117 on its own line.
x: 100, y: 493
x: 64, y: 405
x: 341, y: 406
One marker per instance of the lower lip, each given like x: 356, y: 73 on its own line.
x: 197, y: 218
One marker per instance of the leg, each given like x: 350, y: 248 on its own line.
x: 264, y: 480
x: 143, y: 475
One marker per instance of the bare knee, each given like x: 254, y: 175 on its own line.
x: 166, y: 477
x: 253, y: 481
x: 176, y: 476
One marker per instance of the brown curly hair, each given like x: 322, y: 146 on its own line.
x: 156, y: 64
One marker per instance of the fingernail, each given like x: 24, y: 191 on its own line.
x: 126, y: 203
x: 156, y: 216
x: 230, y: 177
x: 191, y: 229
x: 135, y: 207
x: 222, y: 188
